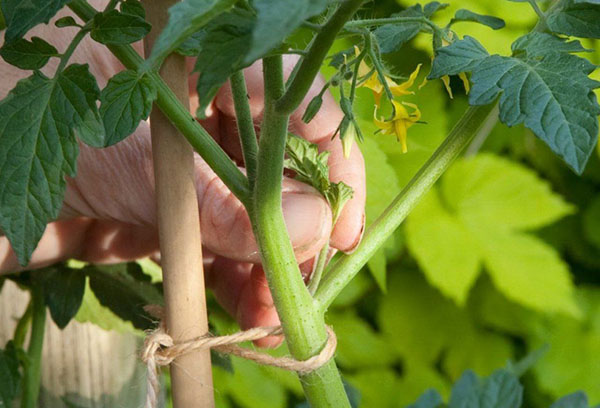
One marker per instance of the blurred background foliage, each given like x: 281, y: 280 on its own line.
x: 502, y: 258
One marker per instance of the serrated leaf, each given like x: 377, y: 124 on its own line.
x: 63, y: 292
x: 467, y: 15
x: 222, y: 46
x: 430, y: 399
x: 276, y: 20
x: 185, y: 18
x: 460, y: 56
x: 501, y: 390
x: 539, y: 44
x: 39, y: 120
x: 465, y: 391
x: 576, y: 18
x: 125, y: 290
x: 26, y: 54
x: 124, y: 103
x: 309, y: 164
x: 10, y: 376
x: 391, y: 37
x: 21, y: 16
x: 576, y: 400
x: 117, y: 28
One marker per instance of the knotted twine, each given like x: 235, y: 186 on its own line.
x: 160, y: 350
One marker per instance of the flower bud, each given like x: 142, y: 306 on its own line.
x: 312, y: 109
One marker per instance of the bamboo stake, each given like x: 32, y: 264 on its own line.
x: 179, y: 231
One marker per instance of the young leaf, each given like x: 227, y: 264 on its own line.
x: 392, y: 36
x: 114, y: 27
x: 221, y: 46
x: 576, y: 18
x: 185, y: 18
x: 125, y: 290
x: 21, y: 15
x: 467, y: 15
x: 39, y: 120
x: 124, y: 102
x: 67, y: 21
x: 10, y: 376
x: 276, y: 20
x: 575, y: 400
x: 25, y: 54
x: 63, y: 291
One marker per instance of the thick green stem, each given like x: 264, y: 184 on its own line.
x: 245, y: 124
x: 32, y: 373
x: 311, y: 64
x: 303, y: 325
x: 181, y: 118
x: 348, y: 265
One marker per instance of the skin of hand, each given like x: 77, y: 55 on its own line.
x: 109, y: 214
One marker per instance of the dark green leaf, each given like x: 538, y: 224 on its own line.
x: 578, y: 19
x: 431, y: 8
x: 467, y: 15
x: 392, y: 36
x: 39, y: 120
x: 67, y: 21
x: 124, y: 102
x: 501, y: 390
x: 185, y: 18
x: 353, y: 394
x: 430, y: 399
x: 576, y: 400
x: 125, y: 290
x: 133, y: 7
x: 222, y: 46
x: 278, y: 19
x: 63, y: 291
x: 21, y: 15
x: 114, y: 27
x: 25, y: 54
x: 539, y: 44
x: 465, y: 392
x: 10, y: 377
x: 461, y: 56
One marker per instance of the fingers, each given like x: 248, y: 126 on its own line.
x: 349, y: 228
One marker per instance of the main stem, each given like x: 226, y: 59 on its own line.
x: 303, y: 324
x: 33, y: 375
x: 348, y: 265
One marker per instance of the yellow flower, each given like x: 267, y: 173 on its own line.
x: 402, y: 89
x: 400, y: 123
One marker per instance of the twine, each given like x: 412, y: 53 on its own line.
x: 160, y: 350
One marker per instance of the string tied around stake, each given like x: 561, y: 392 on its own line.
x: 160, y: 350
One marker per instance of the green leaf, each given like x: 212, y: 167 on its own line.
x: 576, y: 18
x: 21, y: 16
x: 460, y: 56
x: 276, y: 20
x: 540, y: 44
x: 392, y: 36
x: 124, y: 103
x: 10, y: 377
x: 464, y: 392
x: 501, y: 390
x: 67, y: 21
x: 221, y: 46
x: 133, y: 7
x: 63, y: 292
x: 185, y: 18
x: 125, y: 290
x: 576, y: 400
x: 116, y: 28
x: 467, y: 15
x: 25, y: 54
x: 430, y: 399
x: 39, y: 120
x: 433, y: 7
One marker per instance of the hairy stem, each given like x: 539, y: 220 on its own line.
x: 181, y: 118
x: 303, y: 325
x: 311, y: 64
x: 245, y: 124
x: 315, y: 279
x: 32, y: 373
x: 348, y: 266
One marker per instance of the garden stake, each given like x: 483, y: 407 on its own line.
x: 179, y: 232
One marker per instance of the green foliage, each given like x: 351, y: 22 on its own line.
x: 67, y: 21
x: 124, y: 102
x: 591, y: 222
x: 10, y: 376
x: 21, y: 16
x: 39, y: 120
x: 478, y: 216
x: 114, y: 27
x: 185, y: 18
x: 26, y: 54
x: 63, y: 292
x: 550, y: 92
x: 575, y: 18
x: 467, y: 15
